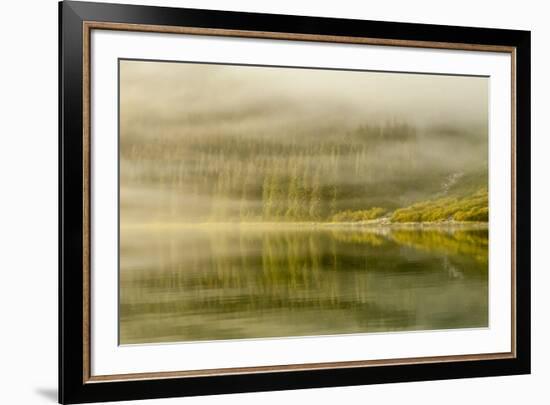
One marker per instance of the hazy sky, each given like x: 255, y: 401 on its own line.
x: 202, y: 95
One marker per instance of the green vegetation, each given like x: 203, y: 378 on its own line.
x: 337, y: 178
x: 360, y: 215
x: 254, y: 178
x: 472, y: 208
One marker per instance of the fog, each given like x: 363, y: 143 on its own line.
x: 202, y: 142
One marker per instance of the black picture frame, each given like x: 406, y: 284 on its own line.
x: 73, y: 387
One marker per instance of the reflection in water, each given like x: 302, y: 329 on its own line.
x: 231, y: 283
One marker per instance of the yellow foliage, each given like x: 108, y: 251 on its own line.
x: 359, y: 215
x: 472, y: 208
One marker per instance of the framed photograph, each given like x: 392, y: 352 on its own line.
x: 254, y: 202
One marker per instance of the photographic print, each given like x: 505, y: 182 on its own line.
x: 266, y: 201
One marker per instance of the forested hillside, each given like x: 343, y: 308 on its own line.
x: 255, y: 155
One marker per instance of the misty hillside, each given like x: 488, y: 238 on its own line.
x: 226, y: 143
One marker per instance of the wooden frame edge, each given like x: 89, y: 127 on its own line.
x: 88, y: 25
x: 86, y: 204
x: 296, y: 367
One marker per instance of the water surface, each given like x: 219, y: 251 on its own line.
x: 235, y: 282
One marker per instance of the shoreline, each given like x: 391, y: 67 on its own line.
x: 366, y: 225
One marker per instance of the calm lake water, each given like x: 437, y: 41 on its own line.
x: 186, y: 284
